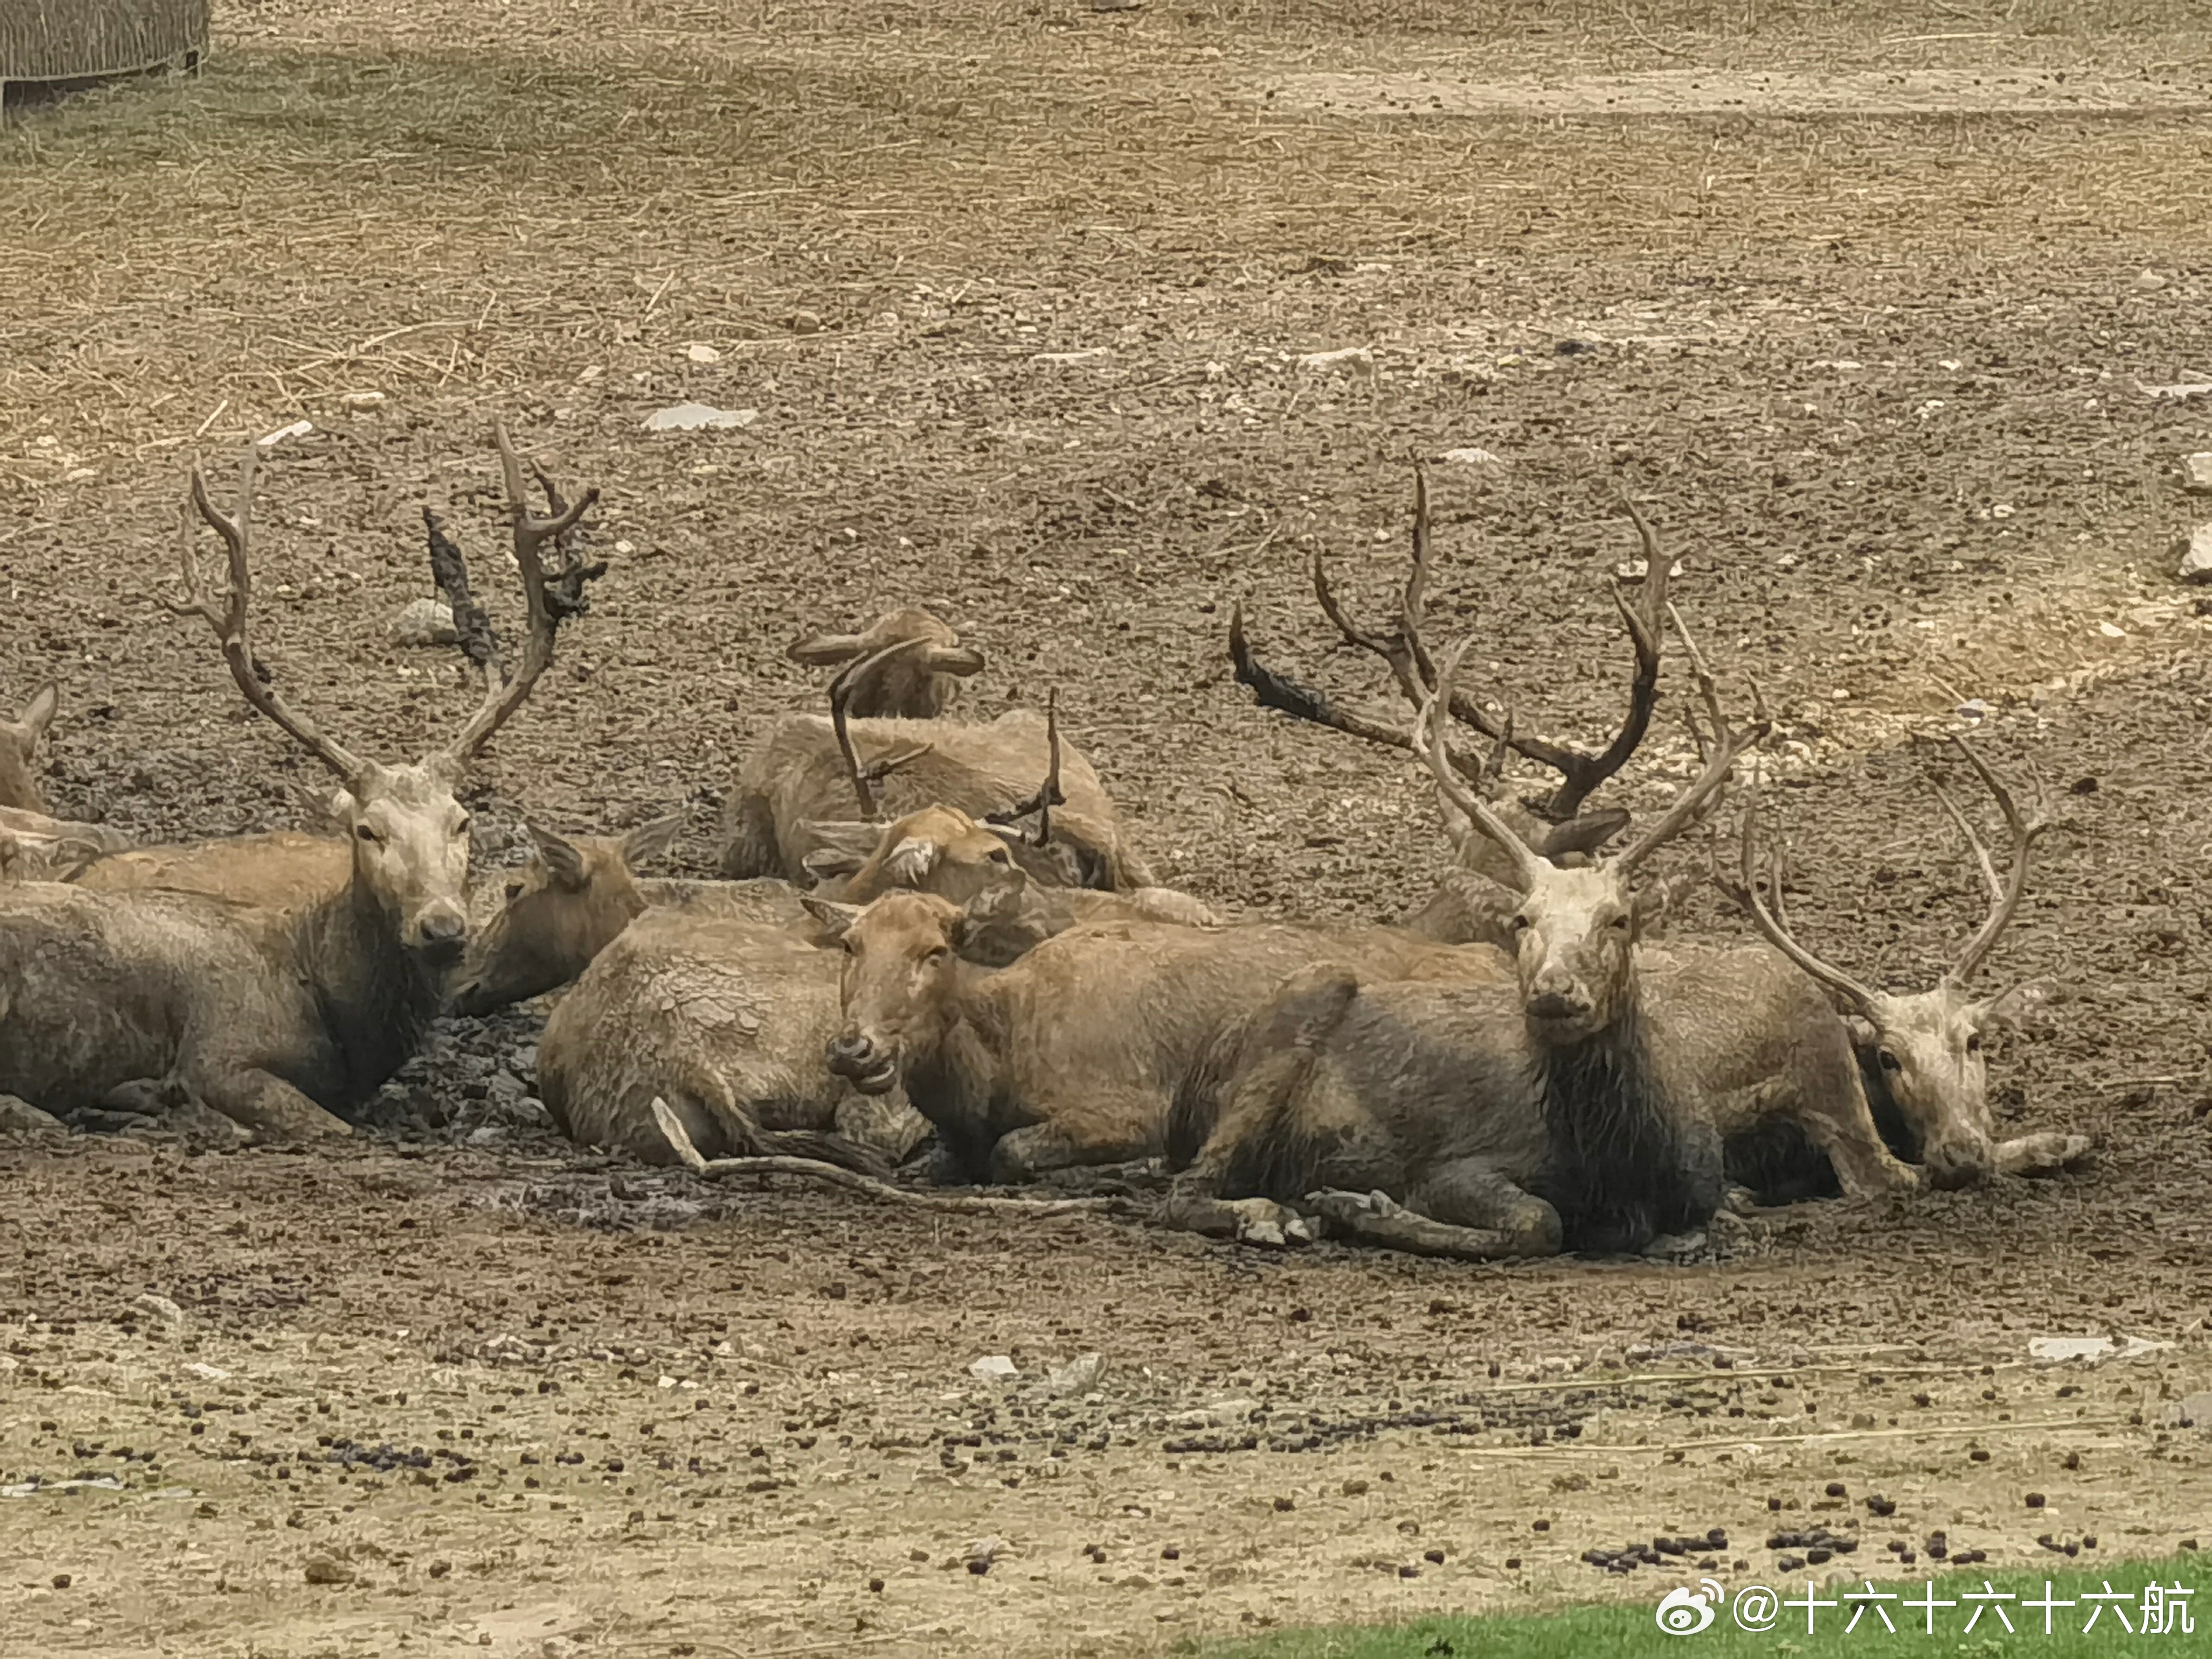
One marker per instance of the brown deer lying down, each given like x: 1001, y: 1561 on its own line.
x: 278, y: 868
x: 719, y: 1015
x: 276, y: 1019
x: 1071, y: 1054
x: 19, y: 740
x: 1920, y: 1052
x: 725, y: 1019
x: 1562, y: 1112
x: 811, y: 771
x: 572, y: 900
x: 915, y: 684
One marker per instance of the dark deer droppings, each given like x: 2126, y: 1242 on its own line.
x: 2035, y: 1500
x: 1513, y: 1563
x: 1836, y: 1489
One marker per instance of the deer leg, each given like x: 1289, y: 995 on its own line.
x: 2040, y: 1154
x: 1113, y: 1132
x: 1515, y: 1230
x: 1835, y: 1115
x: 271, y: 1107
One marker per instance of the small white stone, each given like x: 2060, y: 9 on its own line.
x: 700, y: 353
x: 994, y: 1368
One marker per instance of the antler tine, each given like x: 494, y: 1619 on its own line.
x: 531, y: 533
x: 1692, y: 803
x: 1278, y: 692
x: 840, y: 696
x: 1743, y: 892
x: 1989, y: 876
x: 229, y: 621
x: 2024, y: 832
x: 1413, y: 598
x: 1526, y: 862
x: 1646, y: 624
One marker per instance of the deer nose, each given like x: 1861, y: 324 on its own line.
x: 852, y: 1053
x: 443, y: 925
x: 1953, y: 1164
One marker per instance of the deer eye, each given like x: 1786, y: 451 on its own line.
x: 1620, y: 923
x: 1520, y: 924
x: 1888, y: 1061
x: 463, y: 827
x: 1974, y: 1044
x: 367, y: 834
x: 1000, y: 855
x: 937, y: 958
x: 513, y: 891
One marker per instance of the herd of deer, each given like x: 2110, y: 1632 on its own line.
x: 929, y: 931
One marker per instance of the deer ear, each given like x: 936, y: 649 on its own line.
x: 1583, y: 837
x: 559, y: 855
x: 825, y: 650
x: 652, y: 839
x: 911, y: 863
x: 835, y: 918
x: 325, y: 809
x: 956, y: 660
x: 2013, y: 1009
x: 39, y: 713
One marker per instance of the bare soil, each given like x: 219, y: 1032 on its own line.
x: 1023, y: 298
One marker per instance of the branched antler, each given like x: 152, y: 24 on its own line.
x: 864, y: 778
x: 2004, y: 897
x: 1767, y: 912
x: 545, y: 608
x: 229, y: 619
x: 1405, y: 652
x: 1049, y: 793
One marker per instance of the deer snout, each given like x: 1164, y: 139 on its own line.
x: 441, y: 927
x: 870, y: 1067
x: 1555, y: 994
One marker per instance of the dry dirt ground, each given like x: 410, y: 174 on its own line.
x: 1022, y: 295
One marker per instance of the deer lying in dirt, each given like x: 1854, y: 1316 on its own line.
x: 1920, y: 1052
x: 279, y: 1020
x: 725, y: 1019
x: 810, y: 772
x: 918, y: 683
x: 1493, y: 1122
x: 19, y: 740
x: 1071, y: 1054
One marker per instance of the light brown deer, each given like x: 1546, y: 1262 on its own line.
x: 280, y: 1019
x: 810, y: 771
x: 725, y: 1018
x: 916, y: 684
x: 1920, y: 1052
x: 1493, y: 1122
x: 19, y: 742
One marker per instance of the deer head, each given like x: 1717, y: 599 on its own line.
x: 918, y: 683
x: 19, y: 738
x: 1575, y: 930
x: 900, y: 983
x: 559, y: 911
x: 409, y: 835
x: 1925, y: 1047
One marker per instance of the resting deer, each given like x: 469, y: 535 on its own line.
x: 1493, y: 1122
x: 1920, y: 1052
x: 810, y: 772
x: 280, y: 1020
x: 19, y: 742
x: 915, y: 684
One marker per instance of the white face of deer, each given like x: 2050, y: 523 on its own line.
x: 1574, y: 935
x: 898, y: 985
x: 410, y: 852
x: 1927, y: 1049
x: 19, y: 738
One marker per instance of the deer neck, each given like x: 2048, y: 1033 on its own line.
x: 959, y: 1084
x: 1626, y: 1162
x: 376, y: 996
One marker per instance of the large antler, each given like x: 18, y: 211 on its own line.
x: 1721, y: 753
x: 1430, y: 727
x: 1406, y: 653
x: 864, y: 778
x: 1766, y: 913
x: 1049, y: 793
x: 229, y: 618
x: 2005, y: 895
x: 504, y: 693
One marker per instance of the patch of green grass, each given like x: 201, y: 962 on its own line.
x: 1631, y: 1631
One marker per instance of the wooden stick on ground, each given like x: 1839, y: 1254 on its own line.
x: 671, y: 1126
